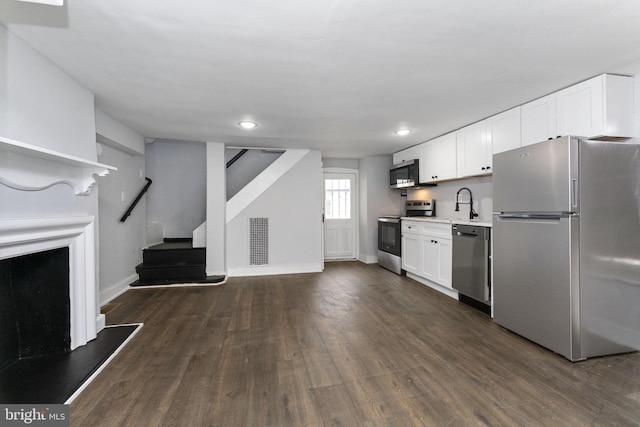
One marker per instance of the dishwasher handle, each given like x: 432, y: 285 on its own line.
x: 462, y: 234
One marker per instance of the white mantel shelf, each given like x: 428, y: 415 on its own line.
x: 28, y: 167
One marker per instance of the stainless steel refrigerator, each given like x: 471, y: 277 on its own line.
x: 566, y: 251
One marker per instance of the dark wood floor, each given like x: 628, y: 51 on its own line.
x: 355, y: 345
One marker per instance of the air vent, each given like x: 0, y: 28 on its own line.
x: 258, y: 241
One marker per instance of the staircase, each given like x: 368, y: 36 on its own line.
x: 173, y: 261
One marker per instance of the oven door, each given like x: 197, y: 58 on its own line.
x: 389, y: 235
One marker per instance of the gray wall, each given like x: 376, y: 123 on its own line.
x: 376, y: 198
x: 177, y: 197
x: 121, y: 243
x: 246, y: 167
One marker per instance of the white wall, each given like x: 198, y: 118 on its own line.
x: 41, y: 105
x: 120, y: 243
x: 293, y: 205
x: 177, y: 197
x: 216, y: 210
x: 445, y: 196
x: 376, y: 198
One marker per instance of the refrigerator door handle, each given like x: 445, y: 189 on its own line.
x: 574, y: 193
x: 532, y: 217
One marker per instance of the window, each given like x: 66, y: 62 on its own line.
x: 337, y: 199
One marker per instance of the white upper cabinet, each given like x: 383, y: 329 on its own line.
x: 438, y: 159
x: 538, y: 119
x: 503, y: 131
x: 478, y: 142
x: 474, y: 150
x: 410, y: 153
x: 599, y: 108
x: 596, y: 108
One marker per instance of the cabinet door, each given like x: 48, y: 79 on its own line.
x: 503, y: 132
x: 473, y: 150
x: 428, y: 162
x: 411, y: 253
x: 410, y: 153
x: 581, y: 109
x: 439, y: 159
x: 430, y: 261
x: 445, y: 264
x: 538, y: 119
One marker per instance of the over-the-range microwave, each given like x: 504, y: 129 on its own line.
x: 405, y: 174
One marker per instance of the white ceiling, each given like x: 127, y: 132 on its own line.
x: 335, y: 75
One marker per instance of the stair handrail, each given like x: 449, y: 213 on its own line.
x: 236, y: 157
x: 137, y: 199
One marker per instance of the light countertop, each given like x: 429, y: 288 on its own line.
x: 481, y: 222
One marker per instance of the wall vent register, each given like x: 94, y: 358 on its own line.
x: 258, y: 241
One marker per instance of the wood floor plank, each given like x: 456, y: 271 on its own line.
x: 354, y: 345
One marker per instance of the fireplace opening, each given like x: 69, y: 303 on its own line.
x: 34, y: 306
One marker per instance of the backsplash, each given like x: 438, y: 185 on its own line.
x: 445, y: 196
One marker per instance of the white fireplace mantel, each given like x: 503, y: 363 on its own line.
x: 32, y: 235
x: 28, y: 167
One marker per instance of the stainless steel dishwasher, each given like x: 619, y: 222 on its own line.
x: 471, y: 275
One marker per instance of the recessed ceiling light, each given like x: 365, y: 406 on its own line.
x: 403, y: 132
x: 247, y: 125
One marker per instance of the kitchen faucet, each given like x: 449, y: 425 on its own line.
x: 472, y: 213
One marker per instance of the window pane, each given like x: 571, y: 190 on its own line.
x: 337, y: 198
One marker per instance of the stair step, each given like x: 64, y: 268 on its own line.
x: 174, y: 251
x: 174, y: 256
x: 149, y: 273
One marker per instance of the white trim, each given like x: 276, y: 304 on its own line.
x: 250, y: 192
x: 29, y: 167
x: 275, y: 270
x: 101, y: 322
x: 368, y: 259
x: 28, y: 236
x: 355, y: 208
x: 443, y: 290
x: 106, y: 362
x: 112, y: 292
x: 180, y: 285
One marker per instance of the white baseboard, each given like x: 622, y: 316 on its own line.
x: 444, y: 290
x: 101, y: 322
x: 274, y: 269
x: 107, y: 295
x: 368, y: 259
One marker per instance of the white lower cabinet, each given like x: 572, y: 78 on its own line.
x: 427, y: 251
x: 411, y: 253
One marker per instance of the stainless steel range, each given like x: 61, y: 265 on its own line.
x: 389, y: 233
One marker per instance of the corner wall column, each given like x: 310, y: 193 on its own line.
x: 216, y: 209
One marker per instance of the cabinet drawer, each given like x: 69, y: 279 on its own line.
x: 412, y: 227
x: 442, y: 231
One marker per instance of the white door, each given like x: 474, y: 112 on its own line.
x: 339, y: 216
